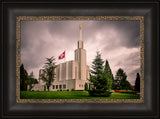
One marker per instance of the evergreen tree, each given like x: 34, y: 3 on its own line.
x: 121, y: 80
x: 89, y: 87
x: 49, y: 75
x: 109, y: 76
x: 97, y: 65
x: 98, y: 79
x: 23, y: 78
x: 30, y: 81
x: 86, y: 87
x: 118, y: 79
x: 137, y: 83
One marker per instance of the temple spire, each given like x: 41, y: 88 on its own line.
x: 80, y: 42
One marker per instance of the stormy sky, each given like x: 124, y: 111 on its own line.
x: 117, y: 41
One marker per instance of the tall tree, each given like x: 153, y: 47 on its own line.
x: 137, y: 83
x: 23, y: 78
x: 30, y: 81
x: 109, y: 75
x: 98, y: 80
x: 119, y: 76
x: 97, y: 65
x: 86, y: 87
x: 121, y: 80
x: 48, y: 74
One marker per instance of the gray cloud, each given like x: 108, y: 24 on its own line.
x: 118, y: 41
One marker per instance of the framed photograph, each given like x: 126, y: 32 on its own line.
x: 80, y: 59
x: 79, y: 78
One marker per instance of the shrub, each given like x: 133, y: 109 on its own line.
x: 126, y: 91
x: 86, y: 87
x: 97, y: 93
x: 118, y: 90
x: 72, y: 89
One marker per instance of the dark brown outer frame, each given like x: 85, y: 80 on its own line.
x: 151, y: 73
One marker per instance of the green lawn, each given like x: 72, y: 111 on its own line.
x: 72, y: 95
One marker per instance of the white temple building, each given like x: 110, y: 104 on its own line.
x: 70, y: 75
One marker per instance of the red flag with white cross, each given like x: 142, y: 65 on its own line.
x: 61, y: 56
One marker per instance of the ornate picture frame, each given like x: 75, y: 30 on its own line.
x: 88, y: 18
